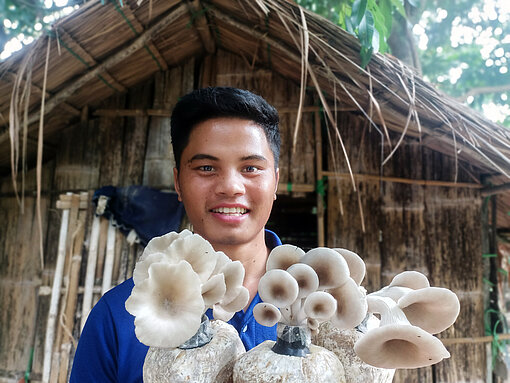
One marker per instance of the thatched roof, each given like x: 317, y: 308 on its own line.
x: 103, y: 49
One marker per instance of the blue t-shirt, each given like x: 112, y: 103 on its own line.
x: 108, y: 350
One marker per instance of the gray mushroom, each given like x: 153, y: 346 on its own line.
x: 278, y: 287
x: 356, y: 265
x: 397, y: 343
x: 281, y: 257
x: 434, y: 309
x: 351, y: 305
x: 319, y: 305
x: 306, y: 277
x: 330, y: 266
x: 266, y: 314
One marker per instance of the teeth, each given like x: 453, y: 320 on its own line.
x: 230, y: 210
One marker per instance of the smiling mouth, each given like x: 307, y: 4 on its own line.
x: 234, y: 211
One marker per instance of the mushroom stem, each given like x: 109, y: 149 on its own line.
x: 389, y: 310
x: 297, y: 312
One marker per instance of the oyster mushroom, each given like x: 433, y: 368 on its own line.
x: 213, y: 290
x: 162, y: 243
x: 351, y: 305
x: 397, y: 343
x: 167, y: 305
x: 356, y: 265
x: 411, y: 279
x: 319, y: 305
x: 330, y: 266
x: 266, y: 314
x: 278, y: 287
x: 434, y: 309
x: 234, y: 276
x: 197, y: 252
x: 281, y: 257
x: 141, y: 270
x: 306, y: 277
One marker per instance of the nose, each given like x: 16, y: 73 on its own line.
x: 230, y: 183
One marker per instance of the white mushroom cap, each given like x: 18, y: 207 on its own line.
x: 433, y: 309
x: 319, y: 305
x: 356, y: 265
x: 282, y: 257
x: 266, y: 314
x: 412, y: 279
x: 167, y: 306
x: 278, y: 287
x: 306, y: 277
x: 240, y: 300
x: 221, y: 261
x: 213, y: 290
x: 397, y: 343
x: 234, y: 277
x: 162, y: 243
x: 351, y: 305
x: 220, y: 313
x: 400, y: 346
x: 330, y: 266
x: 141, y: 271
x: 197, y: 252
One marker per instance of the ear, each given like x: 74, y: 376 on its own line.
x: 176, y: 184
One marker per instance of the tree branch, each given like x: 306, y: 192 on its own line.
x: 484, y: 90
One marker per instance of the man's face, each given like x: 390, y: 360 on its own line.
x: 227, y: 180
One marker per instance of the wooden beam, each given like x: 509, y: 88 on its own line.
x: 372, y: 177
x: 151, y: 48
x: 90, y: 62
x: 498, y: 189
x: 290, y: 187
x: 199, y: 19
x: 111, y: 61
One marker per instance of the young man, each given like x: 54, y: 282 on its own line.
x: 226, y: 144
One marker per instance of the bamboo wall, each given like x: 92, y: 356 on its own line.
x: 433, y: 230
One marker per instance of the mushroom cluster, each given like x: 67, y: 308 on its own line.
x: 411, y: 312
x: 306, y: 289
x: 178, y: 277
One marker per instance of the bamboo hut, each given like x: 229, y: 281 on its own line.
x: 374, y: 160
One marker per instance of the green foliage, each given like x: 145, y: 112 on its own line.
x: 23, y: 15
x: 369, y: 20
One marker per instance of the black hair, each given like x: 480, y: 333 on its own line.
x: 214, y: 102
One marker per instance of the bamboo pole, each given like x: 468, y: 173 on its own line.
x: 473, y: 340
x: 55, y: 296
x: 319, y: 172
x: 377, y: 178
x: 109, y: 260
x: 91, y: 271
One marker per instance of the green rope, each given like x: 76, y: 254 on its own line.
x: 136, y: 33
x: 289, y: 186
x: 29, y: 366
x: 196, y: 15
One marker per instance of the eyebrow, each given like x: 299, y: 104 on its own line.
x: 203, y: 156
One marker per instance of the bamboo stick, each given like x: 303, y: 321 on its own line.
x: 109, y: 260
x: 372, y: 177
x: 91, y: 271
x: 55, y: 297
x: 306, y: 188
x: 319, y: 172
x: 471, y: 340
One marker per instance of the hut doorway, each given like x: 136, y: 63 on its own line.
x: 294, y: 219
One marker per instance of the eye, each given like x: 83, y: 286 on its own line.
x: 250, y: 169
x: 206, y: 168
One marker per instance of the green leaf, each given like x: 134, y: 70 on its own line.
x: 359, y: 8
x: 366, y: 30
x: 503, y: 271
x: 486, y: 281
x: 489, y: 255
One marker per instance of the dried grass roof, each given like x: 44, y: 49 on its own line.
x: 103, y: 49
